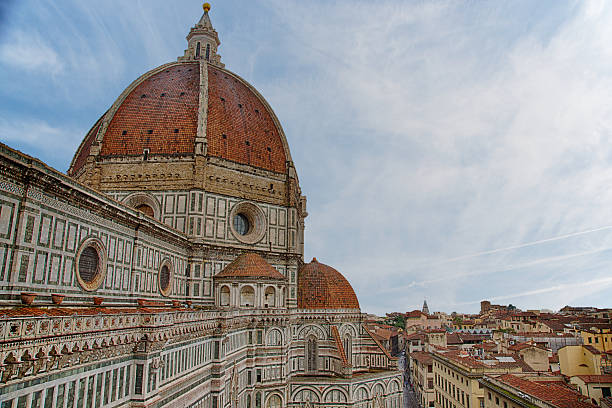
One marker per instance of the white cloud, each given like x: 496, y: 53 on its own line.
x: 28, y: 51
x: 41, y: 139
x: 468, y: 136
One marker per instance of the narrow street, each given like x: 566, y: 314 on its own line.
x: 410, y: 400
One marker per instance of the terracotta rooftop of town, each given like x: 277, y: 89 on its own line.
x: 249, y: 265
x: 557, y: 395
x: 322, y: 287
x: 596, y: 379
x: 422, y: 357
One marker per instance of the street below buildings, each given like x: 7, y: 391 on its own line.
x: 410, y: 400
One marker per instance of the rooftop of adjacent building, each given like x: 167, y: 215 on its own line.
x: 558, y: 395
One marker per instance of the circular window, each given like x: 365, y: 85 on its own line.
x: 248, y: 222
x: 88, y: 264
x: 165, y: 278
x: 241, y: 224
x: 91, y: 264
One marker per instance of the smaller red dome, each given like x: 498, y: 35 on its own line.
x: 322, y: 287
x: 250, y: 265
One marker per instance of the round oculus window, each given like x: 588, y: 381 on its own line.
x: 247, y: 222
x: 91, y: 264
x: 241, y: 224
x: 88, y: 264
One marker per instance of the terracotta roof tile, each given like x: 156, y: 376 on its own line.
x: 384, y: 350
x: 599, y: 379
x: 33, y: 311
x: 557, y: 395
x: 322, y: 287
x: 250, y: 265
x: 149, y: 115
x: 239, y: 127
x: 340, y: 346
x: 422, y: 357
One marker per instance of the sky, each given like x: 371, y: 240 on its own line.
x: 452, y: 151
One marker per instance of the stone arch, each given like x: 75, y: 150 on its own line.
x: 304, y: 394
x: 335, y: 395
x: 274, y: 400
x: 312, y: 329
x: 274, y: 337
x: 393, y: 387
x: 145, y: 203
x: 348, y: 328
x: 361, y: 393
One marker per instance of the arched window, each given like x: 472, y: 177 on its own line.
x: 274, y: 338
x: 224, y: 297
x: 311, y: 354
x: 274, y: 401
x: 145, y: 209
x: 198, y: 50
x: 335, y: 396
x: 361, y: 398
x: 270, y: 297
x: 207, y: 52
x: 247, y: 296
x: 258, y: 400
x: 348, y: 347
x: 248, y: 405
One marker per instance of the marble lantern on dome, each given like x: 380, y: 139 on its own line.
x: 166, y: 267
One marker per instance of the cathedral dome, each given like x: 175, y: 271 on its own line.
x: 159, y: 115
x: 181, y: 110
x: 322, y: 287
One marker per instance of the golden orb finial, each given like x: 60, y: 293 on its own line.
x: 206, y: 7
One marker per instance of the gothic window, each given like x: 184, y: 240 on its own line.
x: 335, y: 396
x: 348, y: 347
x: 311, y: 354
x: 307, y: 396
x: 198, y: 51
x: 207, y: 52
x: 274, y: 338
x: 225, y: 296
x: 247, y: 297
x: 361, y: 398
x: 274, y: 401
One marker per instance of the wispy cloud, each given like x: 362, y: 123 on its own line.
x: 451, y: 150
x: 28, y: 51
x: 40, y: 139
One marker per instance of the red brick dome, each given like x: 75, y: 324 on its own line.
x: 322, y: 287
x: 250, y: 265
x: 161, y: 113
